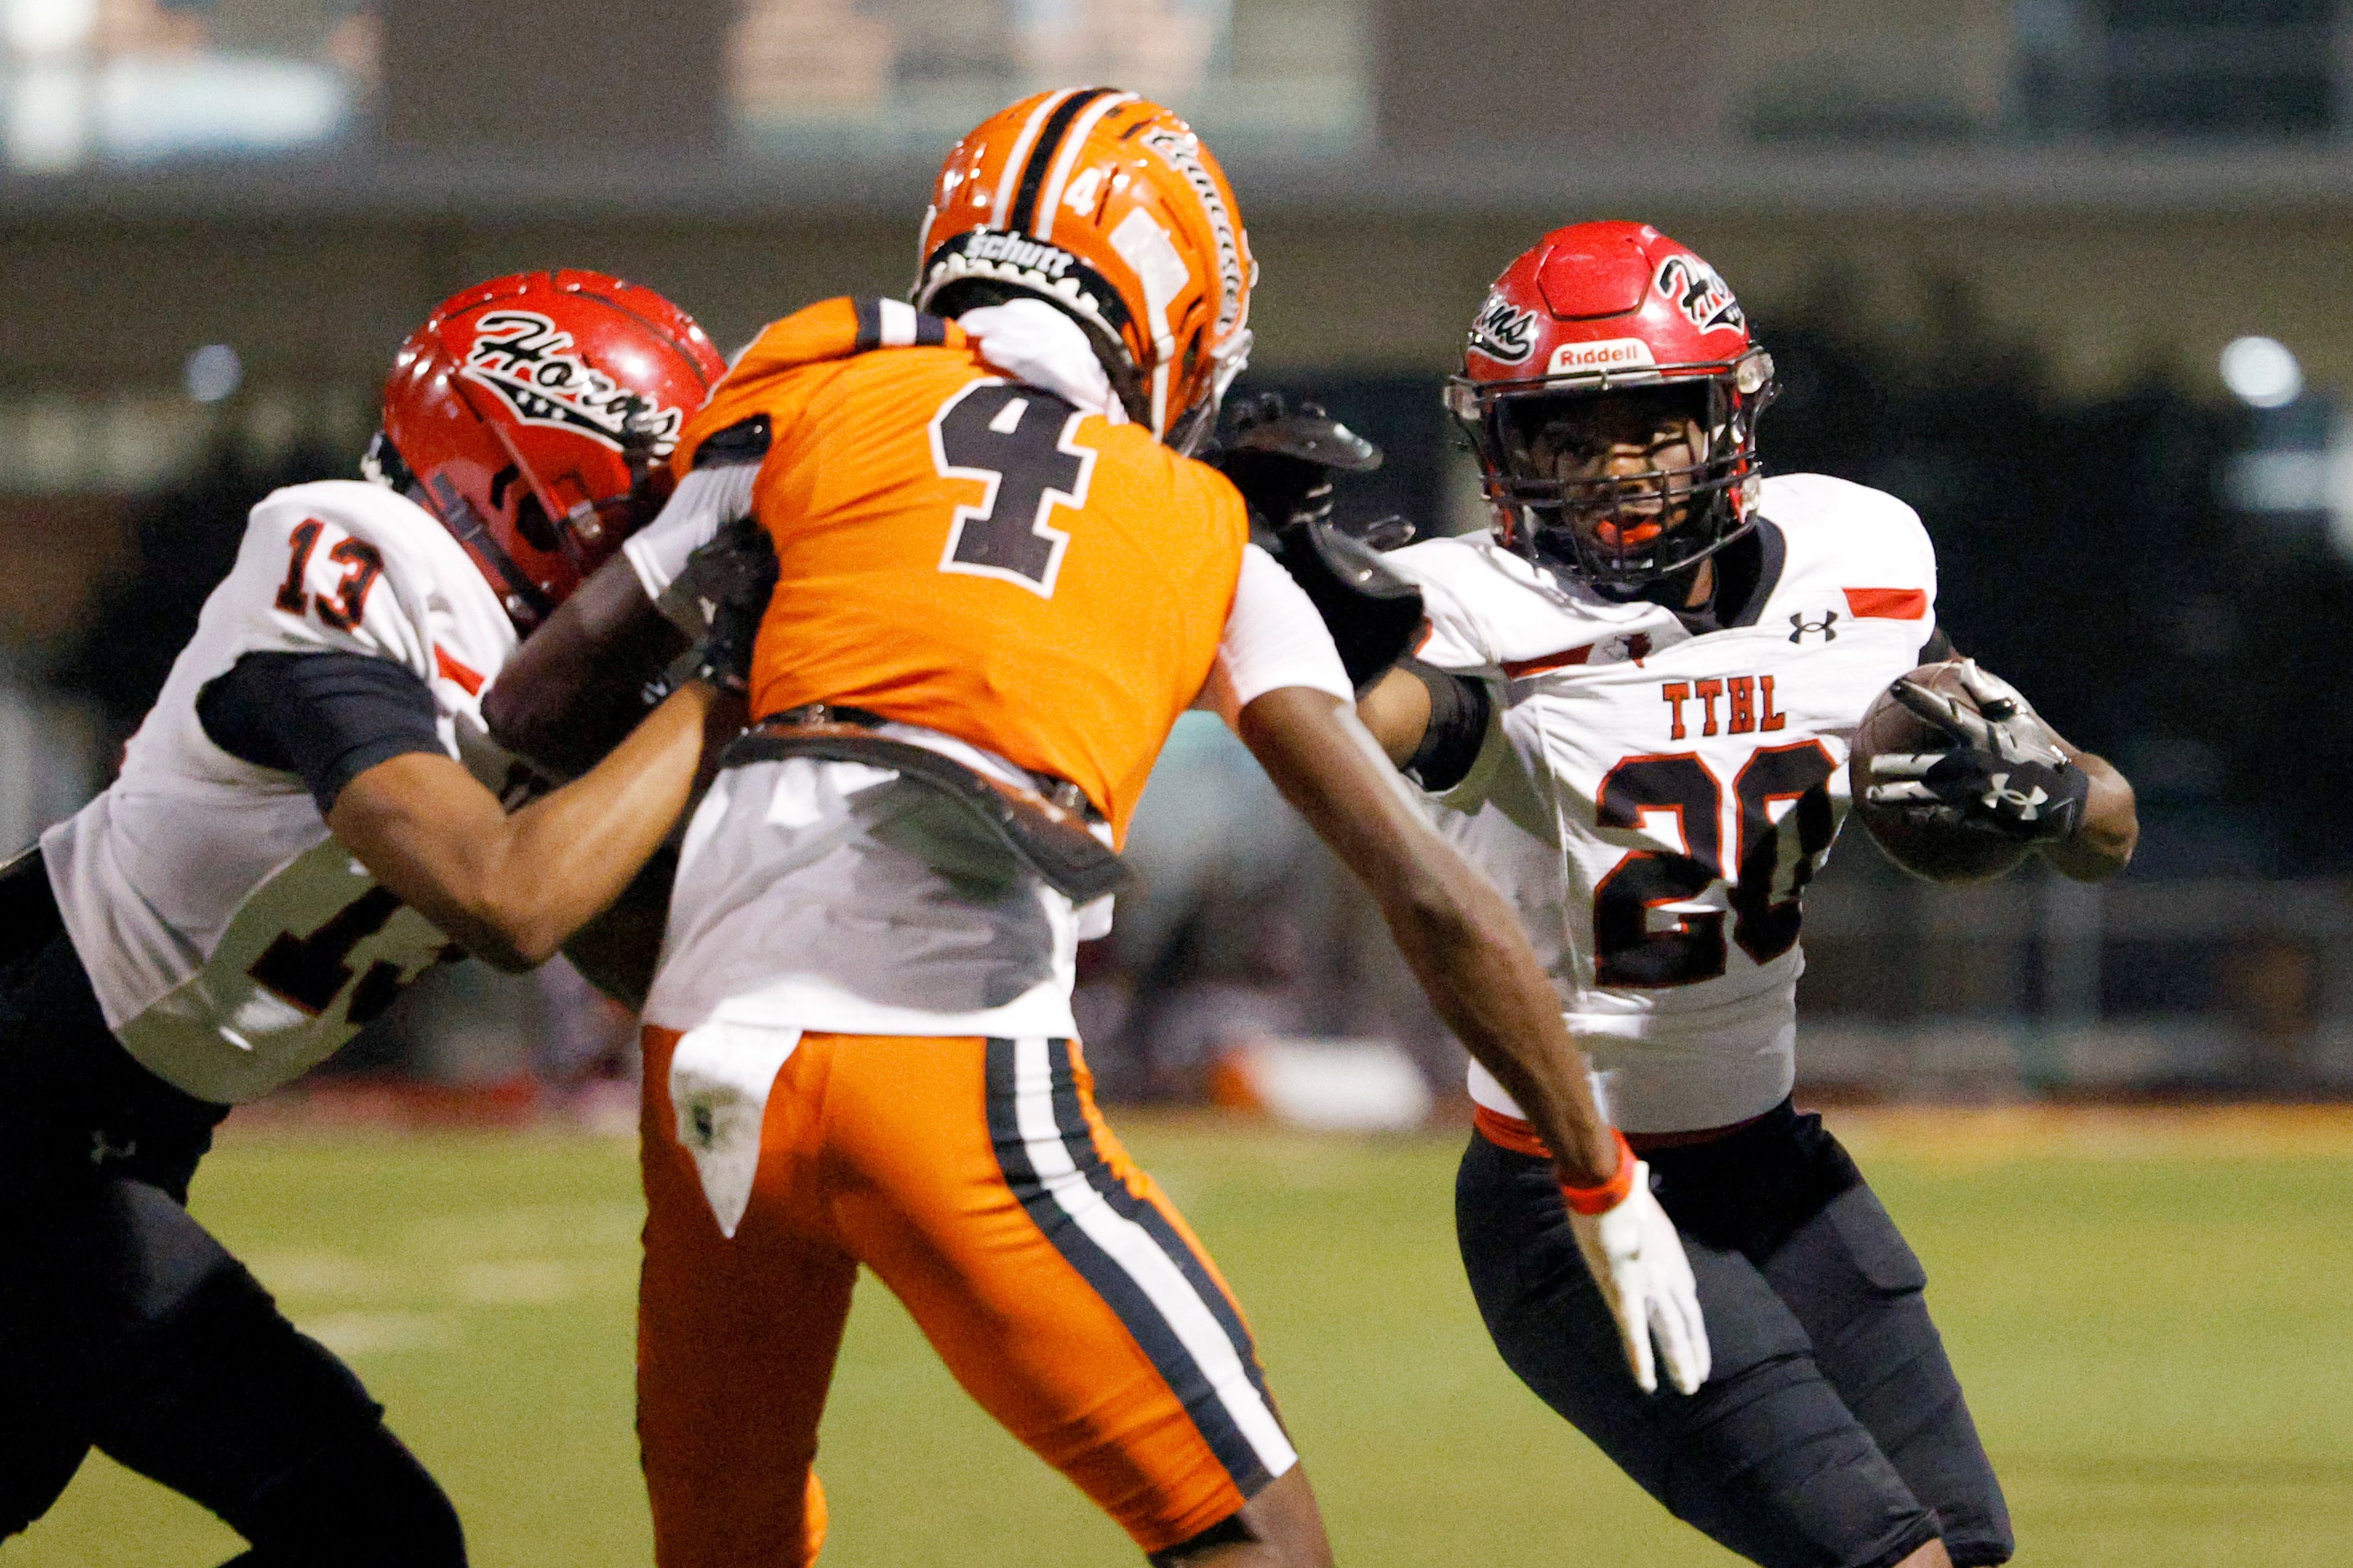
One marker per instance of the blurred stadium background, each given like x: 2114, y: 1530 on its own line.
x: 2070, y: 275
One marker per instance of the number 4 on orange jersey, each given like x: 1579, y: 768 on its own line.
x: 1020, y: 443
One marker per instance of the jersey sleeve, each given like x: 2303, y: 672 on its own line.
x: 337, y: 567
x: 1450, y: 638
x: 707, y: 500
x: 1273, y: 639
x: 325, y: 717
x: 1871, y: 544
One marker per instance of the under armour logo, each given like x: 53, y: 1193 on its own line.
x: 1805, y: 629
x: 103, y: 1148
x: 2025, y: 804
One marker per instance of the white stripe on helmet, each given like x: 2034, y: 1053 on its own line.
x: 1072, y: 140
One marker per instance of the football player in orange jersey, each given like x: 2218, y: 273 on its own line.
x: 1000, y: 580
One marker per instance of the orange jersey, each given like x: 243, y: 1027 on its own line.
x: 973, y: 555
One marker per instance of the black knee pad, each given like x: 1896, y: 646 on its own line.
x: 227, y: 1403
x: 367, y: 1503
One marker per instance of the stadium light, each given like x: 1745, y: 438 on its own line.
x: 2262, y: 373
x: 212, y: 372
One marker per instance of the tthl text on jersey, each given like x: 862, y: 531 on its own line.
x: 1733, y: 705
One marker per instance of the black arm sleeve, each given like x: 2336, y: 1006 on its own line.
x: 1458, y: 726
x: 329, y: 717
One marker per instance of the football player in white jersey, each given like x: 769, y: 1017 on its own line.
x: 308, y: 819
x: 1632, y: 710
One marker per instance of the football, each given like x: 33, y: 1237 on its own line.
x: 1940, y: 852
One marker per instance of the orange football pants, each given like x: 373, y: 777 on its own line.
x: 977, y: 1179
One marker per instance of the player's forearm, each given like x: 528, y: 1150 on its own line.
x: 1467, y: 952
x: 511, y: 889
x: 571, y: 692
x: 1455, y: 931
x: 2103, y: 840
x: 586, y: 842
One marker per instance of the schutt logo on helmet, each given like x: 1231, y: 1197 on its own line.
x: 528, y: 361
x: 1704, y: 298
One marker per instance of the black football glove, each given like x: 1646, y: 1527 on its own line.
x: 2004, y: 774
x: 718, y: 602
x: 1282, y: 461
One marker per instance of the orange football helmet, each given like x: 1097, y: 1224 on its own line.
x: 1109, y: 206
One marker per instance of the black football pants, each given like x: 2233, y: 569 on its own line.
x: 1830, y: 1432
x: 124, y: 1326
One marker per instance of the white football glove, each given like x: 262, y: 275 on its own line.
x: 1637, y: 1259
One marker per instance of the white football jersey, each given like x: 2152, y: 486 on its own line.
x: 233, y: 944
x: 1654, y: 802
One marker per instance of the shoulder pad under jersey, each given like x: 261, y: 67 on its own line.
x: 830, y: 329
x: 346, y: 566
x: 1852, y: 547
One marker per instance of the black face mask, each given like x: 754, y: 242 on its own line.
x: 1715, y: 492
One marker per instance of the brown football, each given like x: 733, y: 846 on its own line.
x: 1941, y: 853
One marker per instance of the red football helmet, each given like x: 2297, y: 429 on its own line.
x: 1603, y: 312
x: 531, y: 415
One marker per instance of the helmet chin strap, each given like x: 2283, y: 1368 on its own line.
x: 558, y: 517
x: 1196, y: 424
x: 524, y: 603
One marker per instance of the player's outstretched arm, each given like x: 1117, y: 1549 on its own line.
x: 1465, y: 946
x: 511, y: 889
x: 1453, y: 927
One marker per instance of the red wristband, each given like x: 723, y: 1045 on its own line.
x: 1609, y: 1194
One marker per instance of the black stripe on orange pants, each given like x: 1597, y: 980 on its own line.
x: 978, y: 1181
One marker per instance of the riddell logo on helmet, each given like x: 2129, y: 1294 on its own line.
x: 1705, y: 298
x: 1609, y: 354
x: 530, y: 363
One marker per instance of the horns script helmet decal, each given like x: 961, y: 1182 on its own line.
x: 1705, y: 298
x: 529, y: 362
x: 1503, y: 332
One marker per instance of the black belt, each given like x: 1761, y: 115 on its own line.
x: 28, y: 911
x: 1045, y: 829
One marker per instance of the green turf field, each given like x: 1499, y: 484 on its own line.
x: 2153, y: 1317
